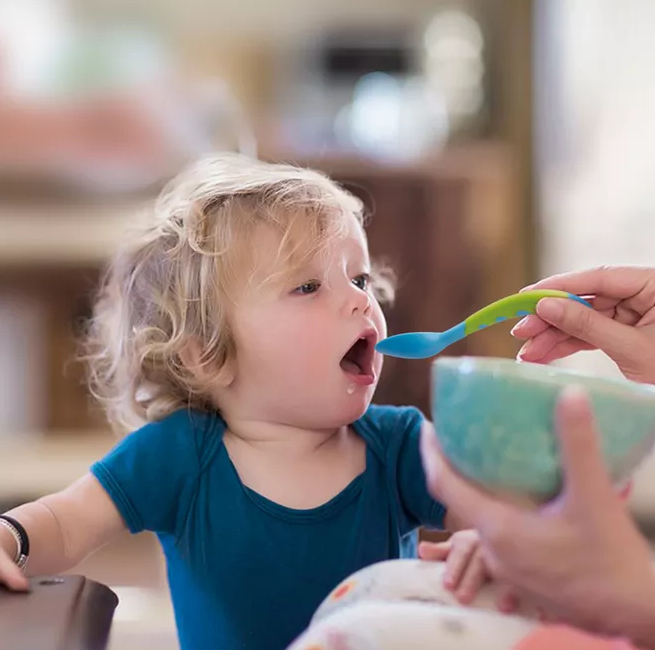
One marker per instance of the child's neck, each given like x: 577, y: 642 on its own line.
x: 284, y: 439
x: 292, y: 466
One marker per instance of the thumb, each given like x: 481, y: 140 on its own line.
x: 586, y: 480
x: 615, y: 339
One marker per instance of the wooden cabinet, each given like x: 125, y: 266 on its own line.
x: 448, y: 226
x: 416, y: 225
x: 449, y: 230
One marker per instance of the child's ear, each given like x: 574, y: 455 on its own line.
x: 191, y: 357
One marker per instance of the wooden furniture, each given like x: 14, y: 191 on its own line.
x: 448, y: 225
x: 58, y: 613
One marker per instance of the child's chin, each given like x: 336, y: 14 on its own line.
x: 357, y: 404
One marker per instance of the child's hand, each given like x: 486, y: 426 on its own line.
x: 10, y: 575
x: 466, y: 570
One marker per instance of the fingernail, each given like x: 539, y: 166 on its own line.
x: 517, y: 327
x: 550, y: 308
x: 521, y: 353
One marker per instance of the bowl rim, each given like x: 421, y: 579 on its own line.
x: 544, y: 374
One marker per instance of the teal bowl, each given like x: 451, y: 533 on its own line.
x: 495, y: 422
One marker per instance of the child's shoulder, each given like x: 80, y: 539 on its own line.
x: 184, y: 419
x: 153, y: 473
x: 180, y: 433
x: 386, y: 416
x: 386, y: 427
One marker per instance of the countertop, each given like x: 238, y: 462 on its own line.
x: 37, y: 464
x: 77, y: 234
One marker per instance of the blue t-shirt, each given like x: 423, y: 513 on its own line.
x: 244, y: 572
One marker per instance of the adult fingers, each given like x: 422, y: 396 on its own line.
x: 586, y: 482
x: 471, y: 504
x: 619, y: 282
x: 620, y: 342
x: 546, y: 352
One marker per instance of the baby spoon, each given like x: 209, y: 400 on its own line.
x: 421, y: 345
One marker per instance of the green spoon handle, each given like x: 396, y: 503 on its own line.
x: 517, y: 305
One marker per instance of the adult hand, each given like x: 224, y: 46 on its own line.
x: 622, y: 323
x: 579, y: 559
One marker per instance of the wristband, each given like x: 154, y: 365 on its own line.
x: 22, y: 540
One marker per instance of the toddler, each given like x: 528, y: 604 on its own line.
x: 233, y: 340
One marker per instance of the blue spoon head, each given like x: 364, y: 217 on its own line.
x: 582, y: 301
x: 411, y: 345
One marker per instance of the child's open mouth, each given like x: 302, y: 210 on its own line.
x: 357, y: 363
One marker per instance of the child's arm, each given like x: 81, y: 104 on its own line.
x: 62, y: 528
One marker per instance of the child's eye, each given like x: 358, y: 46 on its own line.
x: 361, y: 281
x: 308, y: 288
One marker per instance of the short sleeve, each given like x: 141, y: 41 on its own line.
x: 152, y: 474
x: 420, y: 508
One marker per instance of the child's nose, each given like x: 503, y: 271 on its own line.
x: 358, y: 301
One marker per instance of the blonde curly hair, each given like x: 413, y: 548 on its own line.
x: 175, y: 279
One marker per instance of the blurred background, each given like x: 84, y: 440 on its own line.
x: 493, y: 141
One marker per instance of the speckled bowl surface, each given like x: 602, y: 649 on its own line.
x: 495, y: 422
